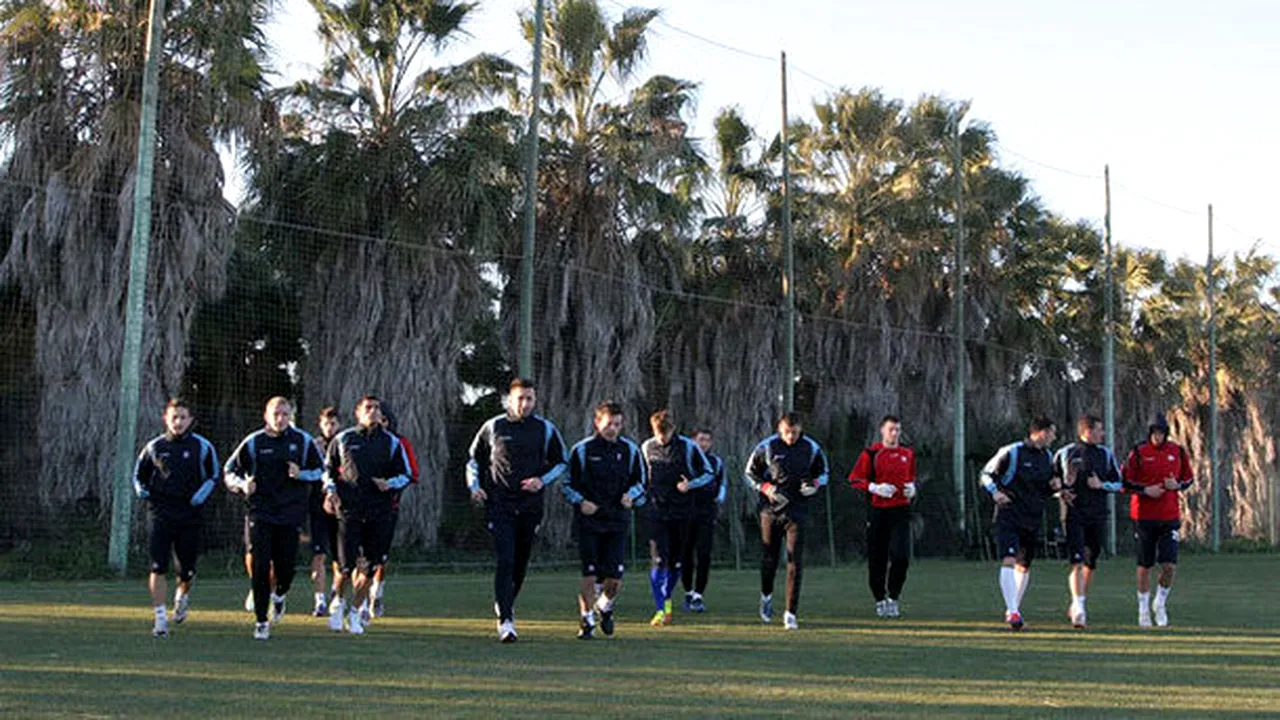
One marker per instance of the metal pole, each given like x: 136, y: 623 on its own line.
x: 140, y: 246
x: 958, y: 442
x: 1109, y: 358
x: 788, y: 255
x: 1213, y: 394
x: 531, y: 197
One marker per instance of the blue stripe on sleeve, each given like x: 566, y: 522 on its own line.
x: 202, y: 494
x: 473, y: 475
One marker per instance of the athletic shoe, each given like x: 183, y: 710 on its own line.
x: 790, y: 622
x: 606, y: 622
x: 688, y: 602
x: 161, y: 628
x: 766, y: 609
x: 507, y: 632
x: 181, y: 604
x: 668, y: 617
x: 322, y: 607
x: 892, y: 609
x: 586, y: 629
x: 880, y: 608
x: 659, y: 619
x: 365, y: 616
x: 1144, y: 619
x: 1015, y: 620
x: 248, y: 601
x: 262, y: 631
x: 336, y: 612
x: 379, y: 607
x: 1079, y: 619
x: 278, y: 607
x: 1162, y: 614
x: 355, y: 625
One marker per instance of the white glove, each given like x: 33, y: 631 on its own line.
x: 808, y: 489
x: 909, y: 490
x: 884, y: 490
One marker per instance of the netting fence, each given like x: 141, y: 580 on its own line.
x: 381, y: 254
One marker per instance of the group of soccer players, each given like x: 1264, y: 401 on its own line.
x: 346, y: 485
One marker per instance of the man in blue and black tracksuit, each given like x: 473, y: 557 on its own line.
x: 696, y: 563
x: 606, y: 479
x: 676, y: 468
x: 365, y: 467
x: 785, y: 470
x: 1089, y: 472
x: 175, y: 473
x: 514, y: 457
x: 1020, y: 479
x: 274, y: 469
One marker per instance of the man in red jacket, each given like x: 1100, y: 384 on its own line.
x: 1156, y: 472
x: 887, y: 471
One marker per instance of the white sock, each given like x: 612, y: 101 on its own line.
x: 604, y: 603
x: 695, y: 595
x: 377, y: 589
x: 1023, y: 579
x: 766, y: 598
x: 1144, y: 602
x: 161, y: 614
x: 1009, y: 589
x: 178, y: 594
x: 589, y: 616
x: 1082, y: 599
x: 320, y: 598
x: 277, y: 598
x: 1162, y: 595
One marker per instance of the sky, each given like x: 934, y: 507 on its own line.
x: 1178, y: 97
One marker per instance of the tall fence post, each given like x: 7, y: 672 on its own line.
x: 135, y: 303
x: 525, y: 361
x: 1214, y: 476
x: 1109, y: 356
x: 958, y: 442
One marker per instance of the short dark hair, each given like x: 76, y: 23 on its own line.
x: 329, y: 412
x: 1087, y: 423
x: 521, y: 383
x: 703, y: 430
x: 889, y: 419
x: 791, y: 419
x: 608, y: 408
x: 368, y: 399
x: 1042, y: 423
x: 177, y: 402
x: 661, y: 421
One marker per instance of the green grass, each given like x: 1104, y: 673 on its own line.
x: 85, y: 649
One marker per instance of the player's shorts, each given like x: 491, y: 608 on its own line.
x: 1084, y: 539
x: 1157, y: 541
x: 602, y: 553
x: 174, y: 538
x: 667, y: 538
x: 369, y: 536
x: 1017, y: 542
x: 319, y: 526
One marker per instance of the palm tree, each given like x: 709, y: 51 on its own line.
x: 70, y: 84
x: 381, y: 189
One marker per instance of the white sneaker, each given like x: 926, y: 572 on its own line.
x: 790, y: 622
x: 880, y: 608
x: 891, y: 609
x: 248, y: 601
x: 355, y: 625
x: 161, y: 628
x: 1144, y: 618
x: 181, y: 604
x: 278, y: 607
x: 337, y: 611
x: 262, y: 631
x: 1079, y: 618
x: 1162, y: 615
x: 507, y: 632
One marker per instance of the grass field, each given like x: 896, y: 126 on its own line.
x: 85, y: 649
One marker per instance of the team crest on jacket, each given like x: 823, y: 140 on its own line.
x: 186, y: 454
x: 293, y: 447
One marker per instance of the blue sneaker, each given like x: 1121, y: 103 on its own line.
x: 766, y: 609
x: 688, y: 602
x: 697, y: 605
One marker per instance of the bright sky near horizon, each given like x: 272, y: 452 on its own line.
x: 1178, y: 96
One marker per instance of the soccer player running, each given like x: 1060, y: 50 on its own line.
x: 785, y: 469
x: 365, y: 467
x: 1088, y: 471
x: 378, y: 589
x: 1156, y: 473
x: 175, y: 473
x: 887, y: 471
x: 696, y: 563
x: 675, y: 467
x: 514, y: 457
x: 606, y: 479
x: 324, y: 527
x: 1020, y: 479
x: 273, y: 468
